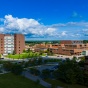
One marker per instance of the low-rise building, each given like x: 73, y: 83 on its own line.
x: 71, y: 42
x: 66, y: 47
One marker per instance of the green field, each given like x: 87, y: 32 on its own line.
x: 62, y: 84
x: 13, y: 81
x: 23, y: 55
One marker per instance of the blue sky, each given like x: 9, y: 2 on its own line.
x: 45, y: 19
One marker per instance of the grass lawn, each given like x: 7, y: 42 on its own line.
x: 12, y: 81
x: 64, y: 85
x: 23, y: 55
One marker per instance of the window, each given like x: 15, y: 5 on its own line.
x: 85, y: 45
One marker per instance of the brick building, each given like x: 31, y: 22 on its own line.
x: 69, y: 47
x: 10, y: 43
x: 66, y: 47
x: 41, y: 47
x: 71, y: 42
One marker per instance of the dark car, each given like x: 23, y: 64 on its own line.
x: 1, y: 58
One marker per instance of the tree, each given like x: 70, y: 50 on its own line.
x: 74, y: 59
x: 28, y: 50
x: 28, y: 56
x: 69, y: 72
x: 17, y: 69
x: 19, y: 56
x: 14, y: 52
x: 34, y: 71
x: 39, y: 61
x: 49, y: 52
x: 41, y: 52
x: 0, y: 55
x: 81, y: 63
x: 1, y: 68
x: 46, y: 73
x: 24, y: 51
x: 86, y: 79
x: 8, y: 66
x: 9, y: 55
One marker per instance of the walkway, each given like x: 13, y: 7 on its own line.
x: 35, y: 78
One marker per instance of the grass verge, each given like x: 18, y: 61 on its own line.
x: 12, y: 81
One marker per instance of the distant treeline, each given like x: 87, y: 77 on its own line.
x: 46, y: 42
x: 85, y: 41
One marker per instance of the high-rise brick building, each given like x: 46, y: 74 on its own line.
x: 10, y: 43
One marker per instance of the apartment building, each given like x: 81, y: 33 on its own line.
x: 10, y: 43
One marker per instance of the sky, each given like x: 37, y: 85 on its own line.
x: 45, y: 19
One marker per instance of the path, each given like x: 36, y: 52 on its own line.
x: 35, y: 78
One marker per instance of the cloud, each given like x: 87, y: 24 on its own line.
x: 64, y: 33
x: 75, y: 14
x: 25, y: 26
x: 32, y: 28
x: 1, y: 29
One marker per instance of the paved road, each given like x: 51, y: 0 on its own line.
x: 10, y: 59
x: 55, y: 57
x: 60, y: 57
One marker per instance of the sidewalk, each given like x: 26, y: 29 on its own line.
x: 35, y: 78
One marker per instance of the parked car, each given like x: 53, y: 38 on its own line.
x: 1, y: 58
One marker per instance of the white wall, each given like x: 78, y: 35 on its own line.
x: 8, y: 44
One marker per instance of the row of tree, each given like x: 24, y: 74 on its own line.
x: 13, y: 67
x: 71, y: 72
x: 44, y: 73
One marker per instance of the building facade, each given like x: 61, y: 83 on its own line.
x: 66, y: 47
x: 71, y: 42
x: 8, y: 44
x: 12, y: 43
